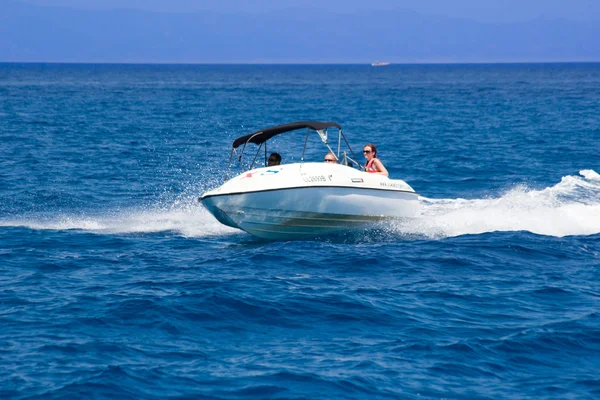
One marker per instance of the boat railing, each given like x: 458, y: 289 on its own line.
x: 343, y: 156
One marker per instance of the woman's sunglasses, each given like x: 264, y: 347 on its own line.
x: 366, y: 151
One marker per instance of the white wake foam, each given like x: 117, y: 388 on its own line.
x: 590, y: 174
x: 571, y: 207
x: 186, y: 221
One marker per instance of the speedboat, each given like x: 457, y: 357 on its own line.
x: 305, y: 199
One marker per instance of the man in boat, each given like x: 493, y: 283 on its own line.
x: 274, y: 159
x: 330, y: 158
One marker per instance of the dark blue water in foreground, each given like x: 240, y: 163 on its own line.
x: 115, y: 283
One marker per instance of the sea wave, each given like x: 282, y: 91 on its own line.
x: 571, y: 207
x: 185, y: 221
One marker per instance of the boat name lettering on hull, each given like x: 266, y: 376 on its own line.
x: 314, y: 178
x: 391, y: 185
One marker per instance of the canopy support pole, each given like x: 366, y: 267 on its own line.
x: 305, y: 142
x: 229, y: 165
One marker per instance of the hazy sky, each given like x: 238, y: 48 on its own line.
x: 294, y: 31
x: 483, y: 10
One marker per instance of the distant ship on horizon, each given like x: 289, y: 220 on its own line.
x: 380, y: 64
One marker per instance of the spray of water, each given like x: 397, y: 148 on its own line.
x: 180, y: 213
x: 191, y: 222
x: 571, y: 207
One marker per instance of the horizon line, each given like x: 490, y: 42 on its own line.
x: 302, y: 63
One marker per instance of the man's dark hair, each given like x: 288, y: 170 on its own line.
x: 276, y: 156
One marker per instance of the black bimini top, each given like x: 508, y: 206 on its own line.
x: 263, y: 135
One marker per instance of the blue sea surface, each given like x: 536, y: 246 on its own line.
x: 115, y: 283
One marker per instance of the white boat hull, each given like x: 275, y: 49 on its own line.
x: 282, y: 207
x: 309, y: 211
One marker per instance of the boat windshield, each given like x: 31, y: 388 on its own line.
x: 336, y: 144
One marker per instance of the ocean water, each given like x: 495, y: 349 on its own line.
x: 116, y: 283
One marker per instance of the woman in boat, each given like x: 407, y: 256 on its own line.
x: 373, y: 164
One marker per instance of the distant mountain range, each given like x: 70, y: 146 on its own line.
x: 30, y: 33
